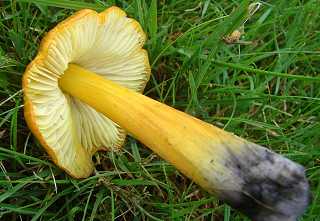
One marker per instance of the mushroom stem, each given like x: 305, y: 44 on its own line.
x: 259, y: 182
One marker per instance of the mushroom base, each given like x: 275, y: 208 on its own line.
x: 269, y: 187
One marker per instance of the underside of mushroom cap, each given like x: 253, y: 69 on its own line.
x: 109, y: 44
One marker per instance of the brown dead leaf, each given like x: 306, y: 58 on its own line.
x: 2, y: 133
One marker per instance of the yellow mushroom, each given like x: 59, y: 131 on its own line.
x: 82, y: 93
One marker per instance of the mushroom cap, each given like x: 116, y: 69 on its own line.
x: 106, y: 43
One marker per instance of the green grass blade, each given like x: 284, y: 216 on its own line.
x: 67, y: 4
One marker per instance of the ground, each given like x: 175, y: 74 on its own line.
x: 254, y: 75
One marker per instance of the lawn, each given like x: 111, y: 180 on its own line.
x: 263, y: 85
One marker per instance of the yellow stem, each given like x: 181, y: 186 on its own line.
x: 186, y: 142
x: 246, y: 175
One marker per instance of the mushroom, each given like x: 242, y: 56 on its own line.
x: 83, y: 93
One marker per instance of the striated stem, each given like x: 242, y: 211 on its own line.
x: 260, y: 183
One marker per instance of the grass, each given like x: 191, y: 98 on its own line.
x: 265, y: 88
